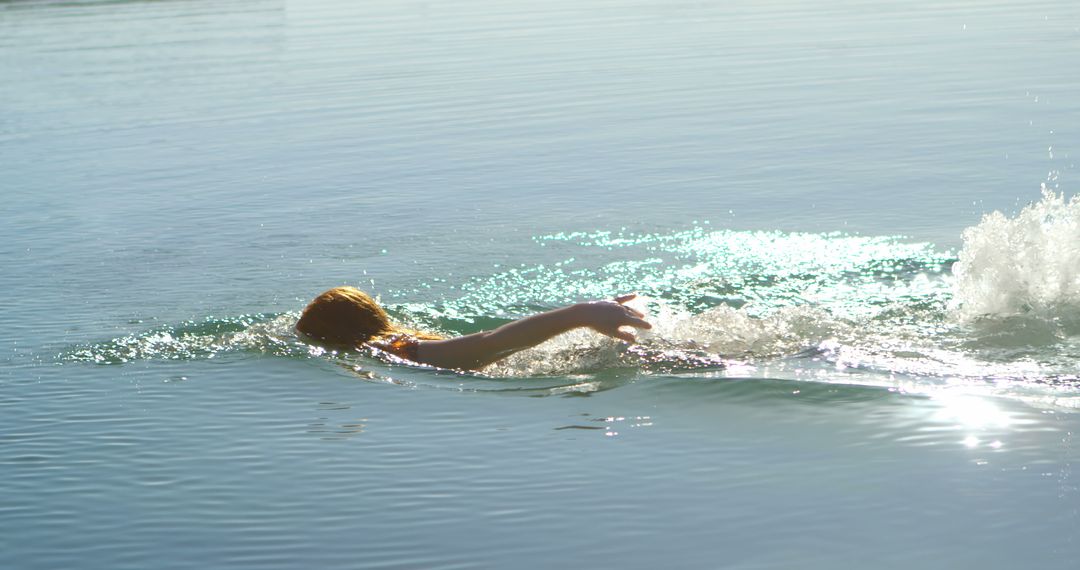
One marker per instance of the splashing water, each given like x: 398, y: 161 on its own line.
x: 267, y: 334
x: 1028, y: 265
x: 876, y: 310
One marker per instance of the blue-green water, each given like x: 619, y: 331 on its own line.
x: 851, y: 366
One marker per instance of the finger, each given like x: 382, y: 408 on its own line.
x: 625, y: 335
x: 634, y: 312
x: 637, y: 323
x: 624, y: 298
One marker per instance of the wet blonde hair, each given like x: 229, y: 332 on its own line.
x: 346, y: 316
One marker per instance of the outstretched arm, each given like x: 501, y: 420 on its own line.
x: 480, y: 349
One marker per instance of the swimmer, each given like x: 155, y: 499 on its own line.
x: 346, y: 317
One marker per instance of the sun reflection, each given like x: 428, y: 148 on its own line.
x: 972, y: 412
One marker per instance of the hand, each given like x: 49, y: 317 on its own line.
x: 606, y: 317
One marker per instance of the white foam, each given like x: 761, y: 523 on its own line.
x: 678, y: 338
x: 727, y: 331
x: 1027, y: 265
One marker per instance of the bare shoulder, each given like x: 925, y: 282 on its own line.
x: 400, y: 345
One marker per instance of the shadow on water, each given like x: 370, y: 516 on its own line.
x: 714, y: 382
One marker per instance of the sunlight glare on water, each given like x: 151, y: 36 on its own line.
x: 866, y: 338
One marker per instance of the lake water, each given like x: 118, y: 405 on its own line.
x: 851, y: 365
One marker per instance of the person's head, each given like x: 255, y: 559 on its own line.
x: 344, y: 316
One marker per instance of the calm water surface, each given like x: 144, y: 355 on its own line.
x: 851, y: 366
